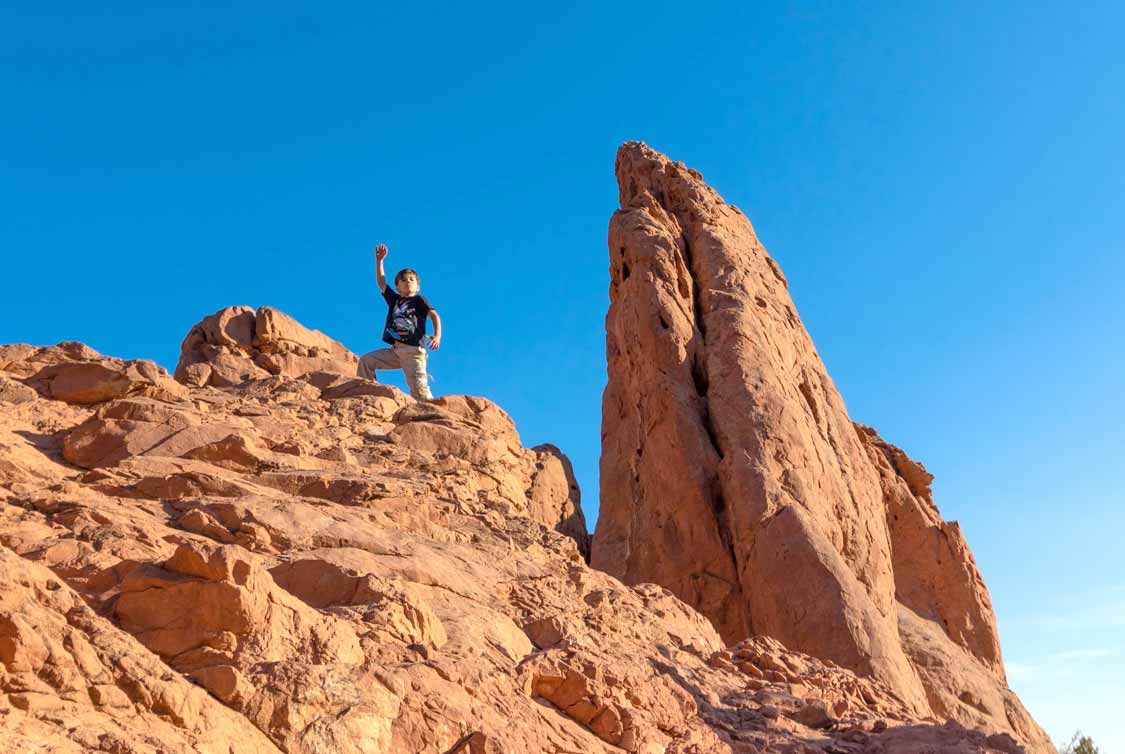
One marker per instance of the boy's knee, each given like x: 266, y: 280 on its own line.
x: 384, y: 358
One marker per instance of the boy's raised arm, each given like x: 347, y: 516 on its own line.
x: 380, y: 254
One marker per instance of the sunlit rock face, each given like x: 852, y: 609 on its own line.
x: 732, y: 474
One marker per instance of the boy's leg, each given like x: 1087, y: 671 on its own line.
x: 413, y: 359
x: 381, y: 358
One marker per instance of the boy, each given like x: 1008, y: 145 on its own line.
x: 405, y: 330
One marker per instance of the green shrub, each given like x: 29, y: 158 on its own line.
x: 1080, y: 744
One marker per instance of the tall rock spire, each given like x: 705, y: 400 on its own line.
x: 731, y: 473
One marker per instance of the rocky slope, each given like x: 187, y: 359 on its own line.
x: 271, y: 555
x: 732, y: 475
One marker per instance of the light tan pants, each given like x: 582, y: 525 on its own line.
x: 410, y: 359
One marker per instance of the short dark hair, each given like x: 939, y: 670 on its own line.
x: 407, y: 271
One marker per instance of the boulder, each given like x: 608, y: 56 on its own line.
x: 237, y: 343
x: 74, y: 373
x: 554, y: 496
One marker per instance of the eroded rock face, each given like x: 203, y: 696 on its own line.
x: 732, y: 474
x: 71, y: 681
x: 321, y: 564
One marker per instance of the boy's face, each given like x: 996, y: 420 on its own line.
x: 407, y: 285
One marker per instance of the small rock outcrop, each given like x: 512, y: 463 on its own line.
x: 236, y: 344
x: 732, y: 474
x: 75, y: 373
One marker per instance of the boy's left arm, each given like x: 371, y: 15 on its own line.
x: 435, y: 339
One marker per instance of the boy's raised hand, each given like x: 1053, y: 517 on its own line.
x: 381, y: 252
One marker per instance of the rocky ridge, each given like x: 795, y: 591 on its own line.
x: 732, y: 474
x: 268, y: 554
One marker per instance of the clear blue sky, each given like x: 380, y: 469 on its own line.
x: 943, y: 183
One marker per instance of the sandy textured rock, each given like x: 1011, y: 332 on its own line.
x: 13, y: 391
x: 731, y: 472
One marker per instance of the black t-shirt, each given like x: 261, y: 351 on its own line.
x: 406, y: 318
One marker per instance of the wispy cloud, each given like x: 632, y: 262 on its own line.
x: 1057, y: 663
x: 1019, y: 671
x: 1085, y: 654
x: 1107, y: 615
x: 1103, y: 608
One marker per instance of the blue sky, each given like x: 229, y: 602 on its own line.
x: 943, y: 184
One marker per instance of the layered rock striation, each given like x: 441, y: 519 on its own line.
x: 296, y: 560
x: 732, y: 474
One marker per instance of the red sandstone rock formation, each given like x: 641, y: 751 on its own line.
x: 318, y: 563
x: 236, y: 343
x: 732, y: 474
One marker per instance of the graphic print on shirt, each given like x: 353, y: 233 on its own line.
x: 403, y: 320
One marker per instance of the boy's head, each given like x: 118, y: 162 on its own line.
x: 407, y: 282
